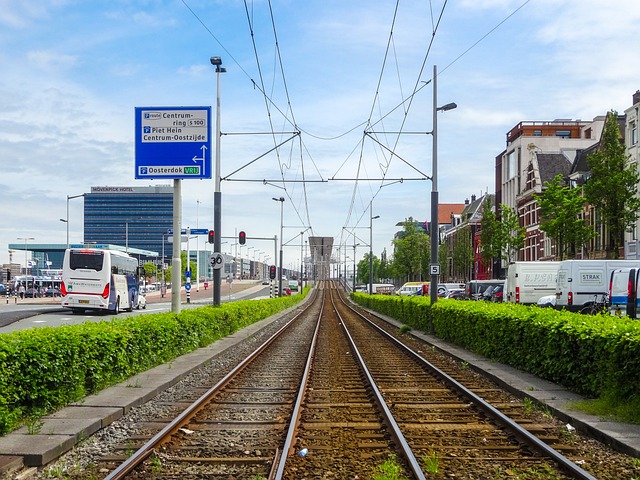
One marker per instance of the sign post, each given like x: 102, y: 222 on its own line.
x: 173, y: 143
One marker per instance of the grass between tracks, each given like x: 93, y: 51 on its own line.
x: 44, y: 369
x: 597, y: 356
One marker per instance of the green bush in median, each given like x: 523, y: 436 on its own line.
x: 44, y: 369
x: 597, y: 356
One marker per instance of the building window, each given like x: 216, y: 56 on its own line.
x: 634, y: 133
x: 511, y: 165
x: 563, y: 133
x: 537, y: 133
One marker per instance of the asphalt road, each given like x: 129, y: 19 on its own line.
x: 20, y: 314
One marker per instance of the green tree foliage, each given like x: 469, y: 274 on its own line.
x: 411, y: 253
x: 363, y: 269
x: 560, y: 208
x: 500, y: 239
x: 462, y: 255
x: 612, y: 185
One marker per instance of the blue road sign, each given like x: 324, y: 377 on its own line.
x: 187, y: 286
x: 193, y: 231
x: 172, y: 142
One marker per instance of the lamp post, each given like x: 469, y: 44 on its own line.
x: 354, y: 265
x: 217, y: 195
x: 435, y: 234
x: 26, y: 239
x: 66, y: 220
x: 281, y: 200
x: 371, y: 218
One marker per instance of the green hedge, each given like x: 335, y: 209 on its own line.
x: 44, y: 369
x: 596, y: 356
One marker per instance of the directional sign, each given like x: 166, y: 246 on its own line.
x: 193, y: 231
x: 216, y: 260
x: 187, y: 286
x: 172, y: 142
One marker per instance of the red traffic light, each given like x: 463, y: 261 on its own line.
x: 211, y: 236
x: 272, y: 272
x: 242, y: 238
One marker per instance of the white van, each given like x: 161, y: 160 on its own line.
x: 623, y: 292
x: 580, y: 282
x: 528, y: 281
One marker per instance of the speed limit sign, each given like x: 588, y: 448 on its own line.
x: 216, y: 260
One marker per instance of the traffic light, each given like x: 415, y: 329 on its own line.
x: 272, y: 272
x: 8, y: 274
x: 211, y: 236
x: 242, y: 238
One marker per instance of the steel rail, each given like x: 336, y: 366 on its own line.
x: 148, y: 448
x: 389, y: 420
x: 519, y: 432
x: 287, y: 447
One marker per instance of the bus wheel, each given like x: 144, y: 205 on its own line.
x: 116, y: 310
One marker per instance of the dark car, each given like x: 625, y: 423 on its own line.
x: 31, y: 293
x: 3, y: 290
x: 52, y: 292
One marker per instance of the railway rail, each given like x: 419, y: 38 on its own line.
x: 332, y: 394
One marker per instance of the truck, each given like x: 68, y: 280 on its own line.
x: 528, y: 281
x: 583, y: 282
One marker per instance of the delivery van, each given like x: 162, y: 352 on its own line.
x: 528, y: 281
x: 623, y: 292
x: 580, y: 282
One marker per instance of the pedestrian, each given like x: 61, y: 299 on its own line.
x: 21, y: 291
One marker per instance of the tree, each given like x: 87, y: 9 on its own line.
x: 490, y: 234
x: 511, y: 232
x: 500, y: 239
x: 462, y: 255
x: 612, y: 185
x: 363, y: 269
x: 560, y: 208
x: 411, y: 252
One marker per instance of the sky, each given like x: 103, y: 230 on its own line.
x: 353, y: 78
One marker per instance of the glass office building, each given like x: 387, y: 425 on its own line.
x: 136, y: 217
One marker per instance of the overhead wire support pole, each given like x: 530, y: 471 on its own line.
x: 217, y: 195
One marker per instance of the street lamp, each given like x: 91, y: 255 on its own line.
x: 25, y: 252
x: 217, y: 195
x: 371, y: 218
x: 354, y: 266
x: 66, y: 220
x: 281, y: 200
x: 435, y: 234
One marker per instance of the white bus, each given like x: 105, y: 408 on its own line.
x: 99, y: 279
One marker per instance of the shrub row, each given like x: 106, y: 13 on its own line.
x: 44, y: 369
x: 596, y: 356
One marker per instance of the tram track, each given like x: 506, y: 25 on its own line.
x: 305, y: 406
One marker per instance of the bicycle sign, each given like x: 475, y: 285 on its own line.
x: 216, y: 260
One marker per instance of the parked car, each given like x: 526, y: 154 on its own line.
x: 547, y: 301
x: 476, y: 289
x: 4, y: 290
x: 410, y: 288
x: 52, y: 292
x: 31, y: 293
